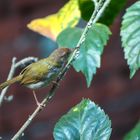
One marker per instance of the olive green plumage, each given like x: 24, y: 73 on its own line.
x: 42, y: 72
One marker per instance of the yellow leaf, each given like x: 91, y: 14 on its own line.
x: 51, y: 26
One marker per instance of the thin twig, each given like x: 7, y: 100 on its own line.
x: 22, y: 63
x: 36, y: 112
x: 11, y: 74
x: 95, y: 3
x: 95, y: 16
x: 26, y: 61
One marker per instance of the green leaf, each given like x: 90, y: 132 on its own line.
x: 115, y: 6
x: 86, y: 8
x: 90, y: 51
x: 85, y: 121
x: 112, y: 11
x: 130, y: 36
x: 69, y: 37
x: 134, y: 134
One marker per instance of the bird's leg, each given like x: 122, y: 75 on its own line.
x: 37, y: 102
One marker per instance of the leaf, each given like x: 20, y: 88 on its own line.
x: 85, y: 121
x: 112, y: 11
x: 51, y: 26
x: 69, y: 37
x: 130, y: 36
x: 134, y: 134
x: 90, y: 51
x: 86, y: 8
x: 115, y: 6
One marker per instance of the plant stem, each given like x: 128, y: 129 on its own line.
x: 95, y: 16
x: 45, y: 101
x: 11, y: 74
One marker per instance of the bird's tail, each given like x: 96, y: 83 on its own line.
x: 9, y: 82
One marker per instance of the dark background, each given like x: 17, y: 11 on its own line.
x: 111, y: 88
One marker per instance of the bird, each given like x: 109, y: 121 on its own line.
x: 41, y: 73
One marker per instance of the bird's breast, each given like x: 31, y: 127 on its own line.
x: 46, y: 80
x: 36, y: 85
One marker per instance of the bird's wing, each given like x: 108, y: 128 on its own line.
x: 40, y: 71
x: 32, y: 74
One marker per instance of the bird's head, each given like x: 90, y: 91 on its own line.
x: 61, y: 54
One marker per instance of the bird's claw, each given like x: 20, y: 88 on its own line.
x: 41, y: 105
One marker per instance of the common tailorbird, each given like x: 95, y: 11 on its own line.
x: 42, y: 72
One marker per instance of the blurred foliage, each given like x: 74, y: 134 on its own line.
x: 130, y: 35
x: 134, y: 134
x: 112, y: 11
x: 52, y: 25
x: 115, y: 6
x: 85, y: 121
